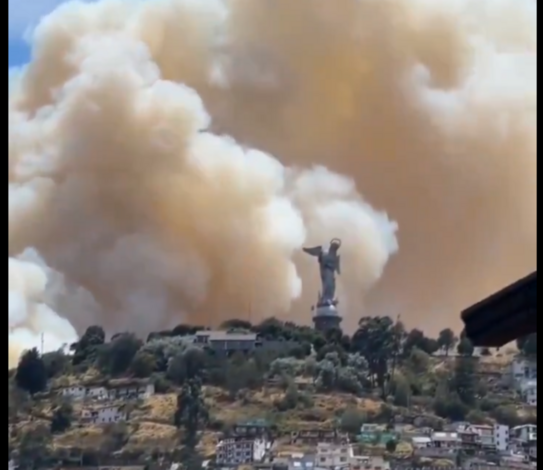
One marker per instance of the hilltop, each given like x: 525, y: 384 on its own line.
x: 177, y: 393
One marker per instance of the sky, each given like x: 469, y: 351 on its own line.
x: 22, y: 16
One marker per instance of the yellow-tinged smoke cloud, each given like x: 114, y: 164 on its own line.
x: 122, y: 178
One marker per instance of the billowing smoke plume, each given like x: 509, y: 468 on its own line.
x: 133, y: 174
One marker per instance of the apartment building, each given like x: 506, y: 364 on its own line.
x: 240, y: 451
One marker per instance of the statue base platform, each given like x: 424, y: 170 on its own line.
x: 326, y: 317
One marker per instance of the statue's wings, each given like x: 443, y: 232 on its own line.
x: 338, y: 265
x: 315, y: 251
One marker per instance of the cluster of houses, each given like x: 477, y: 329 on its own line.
x: 102, y: 399
x: 253, y: 444
x: 518, y: 443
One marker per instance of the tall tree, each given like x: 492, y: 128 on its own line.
x: 465, y: 346
x: 464, y: 381
x: 446, y: 340
x: 191, y: 412
x: 117, y: 356
x: 31, y: 372
x: 86, y: 349
x: 375, y: 340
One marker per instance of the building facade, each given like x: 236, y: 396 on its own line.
x: 233, y: 452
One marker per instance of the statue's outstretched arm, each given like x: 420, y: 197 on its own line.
x: 315, y: 251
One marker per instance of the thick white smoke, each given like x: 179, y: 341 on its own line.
x: 124, y: 181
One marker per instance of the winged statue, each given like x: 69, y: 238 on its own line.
x: 330, y: 265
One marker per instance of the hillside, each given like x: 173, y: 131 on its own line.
x: 130, y: 399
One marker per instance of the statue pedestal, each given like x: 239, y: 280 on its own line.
x: 326, y: 318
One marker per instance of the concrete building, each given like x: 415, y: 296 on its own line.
x: 225, y: 342
x: 529, y: 392
x: 233, y: 452
x: 523, y: 374
x: 333, y: 455
x: 104, y: 415
x: 502, y: 436
x: 130, y: 389
x: 525, y: 434
x: 81, y: 392
x: 115, y: 389
x: 293, y: 461
x: 368, y: 463
x: 421, y: 442
x: 446, y: 440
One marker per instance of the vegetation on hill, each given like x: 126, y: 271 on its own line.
x: 308, y: 379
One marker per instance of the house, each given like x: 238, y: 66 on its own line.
x: 314, y: 436
x: 330, y: 455
x: 522, y: 370
x: 256, y: 428
x: 293, y: 461
x: 446, y: 440
x: 130, y: 389
x: 421, y: 442
x: 486, y: 435
x: 105, y: 414
x: 502, y: 436
x: 82, y: 391
x: 470, y: 438
x: 227, y: 343
x: 114, y: 389
x: 368, y: 463
x: 528, y: 390
x: 526, y: 433
x: 232, y: 452
x: 474, y: 436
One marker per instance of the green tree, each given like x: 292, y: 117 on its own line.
x: 391, y: 446
x: 417, y: 339
x: 86, y: 349
x: 465, y: 346
x: 56, y: 363
x: 507, y: 415
x: 351, y: 420
x: 464, y: 380
x: 191, y: 412
x: 449, y: 406
x: 187, y: 365
x: 446, y: 340
x: 31, y: 374
x: 376, y: 341
x: 402, y: 392
x: 143, y: 365
x: 62, y: 418
x: 244, y: 375
x: 117, y: 356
